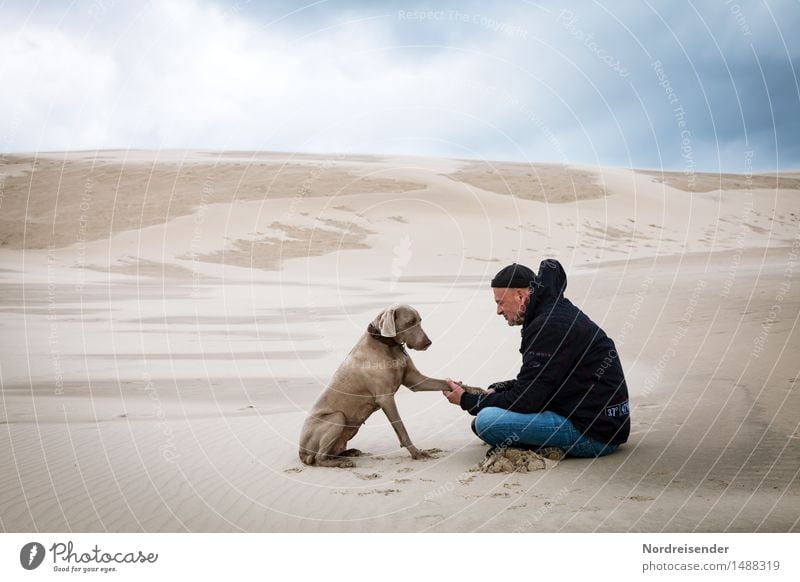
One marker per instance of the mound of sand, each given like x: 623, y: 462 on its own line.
x: 512, y: 460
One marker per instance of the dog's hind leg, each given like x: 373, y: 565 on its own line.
x: 341, y: 449
x: 309, y: 441
x: 334, y: 424
x: 333, y: 462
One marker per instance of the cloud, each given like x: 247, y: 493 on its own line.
x: 50, y: 80
x: 524, y: 81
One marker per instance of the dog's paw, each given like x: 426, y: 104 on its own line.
x: 473, y: 389
x: 425, y: 453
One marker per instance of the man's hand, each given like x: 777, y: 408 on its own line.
x: 455, y: 392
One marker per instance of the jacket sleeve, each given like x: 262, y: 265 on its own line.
x: 547, y: 361
x: 502, y: 386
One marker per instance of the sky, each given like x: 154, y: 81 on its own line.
x: 678, y: 85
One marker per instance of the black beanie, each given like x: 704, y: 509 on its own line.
x: 514, y: 276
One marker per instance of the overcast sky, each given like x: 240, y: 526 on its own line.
x: 669, y: 84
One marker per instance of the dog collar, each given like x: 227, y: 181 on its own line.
x: 373, y: 331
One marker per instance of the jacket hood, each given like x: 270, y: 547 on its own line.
x: 551, y: 281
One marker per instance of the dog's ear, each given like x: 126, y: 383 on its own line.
x: 385, y: 322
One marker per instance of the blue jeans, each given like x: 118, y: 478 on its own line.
x: 499, y: 427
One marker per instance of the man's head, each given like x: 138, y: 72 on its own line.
x: 512, y: 292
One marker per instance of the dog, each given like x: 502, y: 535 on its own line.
x: 366, y: 381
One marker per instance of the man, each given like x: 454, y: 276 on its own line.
x: 570, y: 392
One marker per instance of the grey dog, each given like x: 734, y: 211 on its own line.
x: 367, y: 380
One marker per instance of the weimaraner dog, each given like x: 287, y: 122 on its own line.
x: 366, y: 381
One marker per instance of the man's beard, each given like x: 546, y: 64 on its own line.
x: 519, y: 319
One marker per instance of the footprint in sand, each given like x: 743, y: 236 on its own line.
x: 384, y: 491
x: 641, y: 498
x: 368, y: 477
x: 405, y: 470
x: 293, y: 470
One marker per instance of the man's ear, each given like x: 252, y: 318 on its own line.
x: 385, y: 322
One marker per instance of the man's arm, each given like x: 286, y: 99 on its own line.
x: 547, y: 362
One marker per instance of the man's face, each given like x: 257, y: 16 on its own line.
x: 511, y: 304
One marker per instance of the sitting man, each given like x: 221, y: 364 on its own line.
x: 570, y: 392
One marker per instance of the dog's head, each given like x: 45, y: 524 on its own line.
x: 404, y: 324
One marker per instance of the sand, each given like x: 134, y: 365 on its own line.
x: 547, y: 183
x: 53, y: 200
x: 706, y: 182
x: 515, y: 460
x: 160, y: 349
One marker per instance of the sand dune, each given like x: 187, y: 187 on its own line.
x: 58, y: 200
x: 162, y: 344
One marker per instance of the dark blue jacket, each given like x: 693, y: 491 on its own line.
x: 569, y: 366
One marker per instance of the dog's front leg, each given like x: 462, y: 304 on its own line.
x: 416, y: 381
x: 389, y: 407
